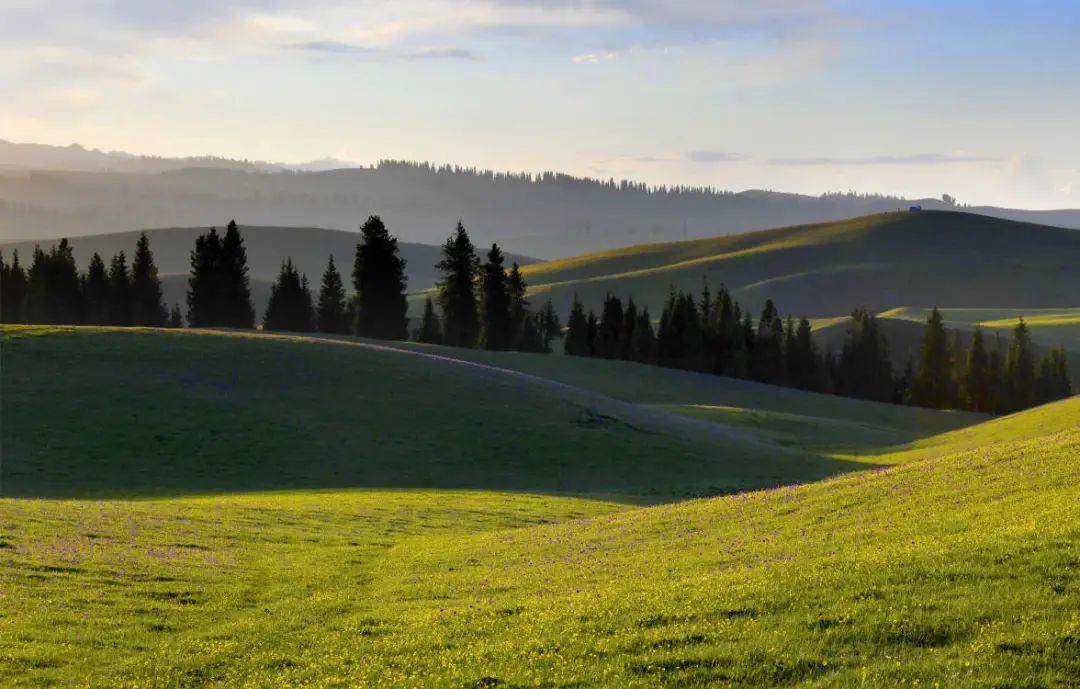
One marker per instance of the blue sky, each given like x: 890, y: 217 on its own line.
x: 977, y: 99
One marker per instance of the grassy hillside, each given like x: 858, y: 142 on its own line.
x: 113, y: 412
x: 878, y: 261
x: 957, y: 567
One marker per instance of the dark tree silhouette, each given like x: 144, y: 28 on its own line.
x: 1020, y: 370
x: 524, y: 334
x: 205, y: 293
x: 933, y: 385
x: 767, y: 362
x: 237, y: 310
x: 429, y: 330
x: 577, y: 330
x: 550, y: 327
x: 975, y: 382
x: 495, y: 318
x: 1052, y: 380
x: 863, y: 369
x: 457, y: 290
x: 120, y: 295
x: 803, y: 361
x: 332, y: 313
x: 53, y: 294
x: 13, y: 288
x: 176, y: 319
x: 95, y: 287
x: 290, y: 306
x: 379, y: 281
x: 610, y: 330
x: 147, y: 306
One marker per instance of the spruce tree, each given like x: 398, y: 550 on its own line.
x: 176, y: 319
x: 205, y: 291
x: 13, y: 288
x: 592, y: 326
x: 520, y: 317
x: 147, y: 305
x: 577, y: 335
x: 800, y: 352
x: 96, y: 309
x: 933, y: 385
x: 863, y: 369
x: 290, y: 307
x: 237, y: 310
x: 767, y: 360
x: 998, y: 393
x: 457, y: 290
x: 1020, y: 370
x: 550, y: 327
x: 496, y: 327
x: 643, y: 341
x: 53, y: 293
x: 332, y: 316
x: 120, y: 295
x: 429, y: 330
x: 379, y: 282
x: 629, y: 324
x: 975, y: 383
x: 610, y: 328
x: 1052, y: 380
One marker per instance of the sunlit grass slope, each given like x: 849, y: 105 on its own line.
x: 877, y: 261
x: 962, y: 570
x: 111, y: 412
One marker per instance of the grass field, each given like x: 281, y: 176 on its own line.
x: 140, y: 553
x: 878, y: 262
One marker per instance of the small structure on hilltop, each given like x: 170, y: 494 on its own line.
x: 914, y: 209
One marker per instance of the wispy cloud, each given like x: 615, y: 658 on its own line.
x: 596, y: 57
x: 707, y: 156
x: 914, y: 159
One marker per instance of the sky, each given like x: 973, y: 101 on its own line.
x: 980, y: 100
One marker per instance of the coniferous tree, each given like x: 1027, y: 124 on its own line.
x: 525, y: 335
x: 629, y: 325
x: 998, y: 392
x: 550, y: 327
x: 457, y: 290
x: 13, y: 288
x: 496, y: 326
x: 902, y: 383
x: 933, y: 385
x: 577, y: 331
x: 331, y: 315
x: 1052, y: 380
x: 643, y: 341
x: 236, y: 309
x: 863, y: 369
x: 147, y: 305
x: 975, y: 383
x: 120, y: 296
x: 1020, y: 370
x: 290, y: 307
x: 96, y: 308
x: 379, y: 282
x: 205, y: 291
x: 803, y: 366
x: 767, y: 361
x: 176, y: 320
x: 610, y: 328
x: 429, y: 330
x: 52, y: 292
x: 592, y: 327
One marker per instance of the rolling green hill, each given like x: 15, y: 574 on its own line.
x: 140, y: 556
x: 877, y: 261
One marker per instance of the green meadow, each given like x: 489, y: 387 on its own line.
x: 199, y: 508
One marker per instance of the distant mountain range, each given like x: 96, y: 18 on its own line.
x: 48, y: 192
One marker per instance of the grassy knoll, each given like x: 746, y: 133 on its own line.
x: 876, y: 261
x: 958, y: 567
x: 108, y: 412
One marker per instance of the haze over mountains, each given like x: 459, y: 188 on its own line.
x: 48, y: 192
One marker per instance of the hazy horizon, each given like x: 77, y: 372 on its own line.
x: 802, y: 97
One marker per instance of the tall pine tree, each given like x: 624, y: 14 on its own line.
x: 767, y: 361
x: 457, y: 290
x: 13, y: 288
x: 1020, y: 370
x: 975, y: 383
x: 429, y: 330
x: 550, y: 327
x: 379, y: 282
x: 933, y: 385
x: 290, y: 307
x: 1052, y: 380
x: 577, y: 331
x: 205, y: 292
x: 147, y: 305
x: 332, y: 313
x: 96, y: 309
x: 237, y: 310
x: 120, y: 296
x: 496, y: 326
